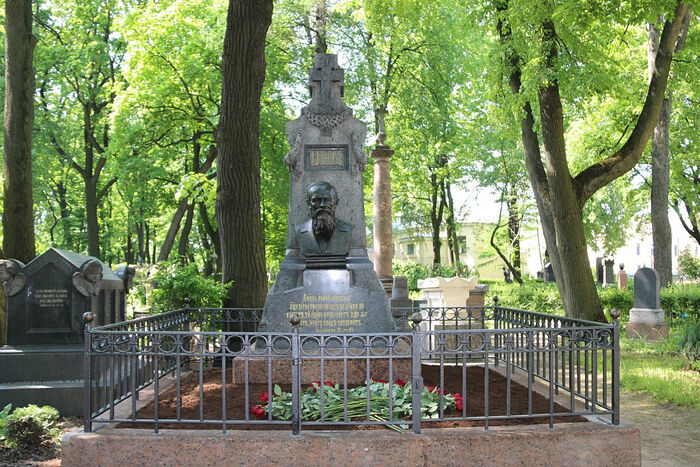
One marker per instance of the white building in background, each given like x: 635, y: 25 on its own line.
x: 476, y: 252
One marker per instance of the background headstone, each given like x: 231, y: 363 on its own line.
x: 609, y: 272
x: 43, y: 361
x: 647, y: 318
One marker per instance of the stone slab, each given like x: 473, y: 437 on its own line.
x: 311, y: 370
x: 650, y: 332
x: 64, y: 396
x: 647, y: 316
x: 569, y: 443
x: 41, y: 363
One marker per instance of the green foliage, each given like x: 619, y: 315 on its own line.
x: 531, y: 296
x: 415, y: 271
x: 681, y: 303
x: 612, y: 297
x: 688, y: 266
x: 3, y: 420
x: 174, y: 282
x: 690, y: 344
x: 31, y: 426
x: 334, y: 398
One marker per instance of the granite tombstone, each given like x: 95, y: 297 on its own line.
x: 43, y: 361
x: 326, y: 277
x: 646, y: 317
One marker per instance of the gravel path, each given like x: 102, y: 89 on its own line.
x: 670, y: 434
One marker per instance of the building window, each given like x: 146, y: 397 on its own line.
x: 675, y: 250
x: 639, y: 249
x: 411, y: 249
x: 462, y: 242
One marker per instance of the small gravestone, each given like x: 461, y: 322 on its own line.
x: 549, y: 273
x: 42, y: 362
x: 622, y: 278
x: 647, y: 317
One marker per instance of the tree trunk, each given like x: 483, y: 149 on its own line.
x: 437, y: 205
x: 173, y: 230
x: 3, y: 310
x: 213, y: 235
x: 660, y: 142
x: 238, y: 172
x: 185, y: 234
x: 564, y: 195
x: 18, y: 202
x: 452, y: 241
x: 514, y: 227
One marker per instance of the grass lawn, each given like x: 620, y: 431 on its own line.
x: 659, y: 370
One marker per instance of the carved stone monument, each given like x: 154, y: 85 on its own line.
x: 42, y: 362
x: 647, y: 317
x: 326, y: 277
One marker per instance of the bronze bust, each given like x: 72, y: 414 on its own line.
x: 323, y: 233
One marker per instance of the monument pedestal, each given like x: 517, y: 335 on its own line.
x: 333, y: 370
x: 43, y: 375
x: 646, y: 323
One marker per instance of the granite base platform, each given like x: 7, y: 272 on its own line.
x: 333, y: 370
x: 569, y: 443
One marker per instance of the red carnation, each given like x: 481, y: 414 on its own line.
x: 400, y: 383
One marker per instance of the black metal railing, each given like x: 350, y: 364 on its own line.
x: 574, y: 362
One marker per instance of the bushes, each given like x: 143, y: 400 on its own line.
x: 688, y: 266
x: 681, y: 303
x: 174, y: 282
x: 414, y: 272
x: 690, y: 344
x: 531, y: 296
x: 31, y: 426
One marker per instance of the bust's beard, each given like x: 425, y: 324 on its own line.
x: 324, y: 224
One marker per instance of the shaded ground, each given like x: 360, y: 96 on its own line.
x: 236, y: 407
x: 670, y: 434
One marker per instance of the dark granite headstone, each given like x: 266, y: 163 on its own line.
x: 43, y: 361
x: 647, y: 289
x: 549, y: 273
x: 59, y: 287
x: 599, y: 270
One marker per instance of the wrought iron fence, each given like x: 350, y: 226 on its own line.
x: 191, y: 350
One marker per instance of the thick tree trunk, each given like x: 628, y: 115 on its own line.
x: 660, y: 225
x: 660, y: 142
x: 576, y: 274
x: 18, y: 202
x: 238, y: 172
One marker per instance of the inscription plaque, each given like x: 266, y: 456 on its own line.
x: 325, y: 157
x: 329, y: 313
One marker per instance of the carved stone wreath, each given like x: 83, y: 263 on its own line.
x: 326, y: 120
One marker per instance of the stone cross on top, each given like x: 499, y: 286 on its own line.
x: 326, y: 85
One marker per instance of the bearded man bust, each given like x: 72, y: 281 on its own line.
x: 323, y: 233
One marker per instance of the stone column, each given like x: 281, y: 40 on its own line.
x: 383, y: 249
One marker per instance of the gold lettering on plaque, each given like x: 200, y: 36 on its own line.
x: 329, y: 313
x: 50, y: 298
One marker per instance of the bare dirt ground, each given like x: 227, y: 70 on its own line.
x: 670, y: 434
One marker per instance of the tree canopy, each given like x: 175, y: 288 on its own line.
x: 527, y: 99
